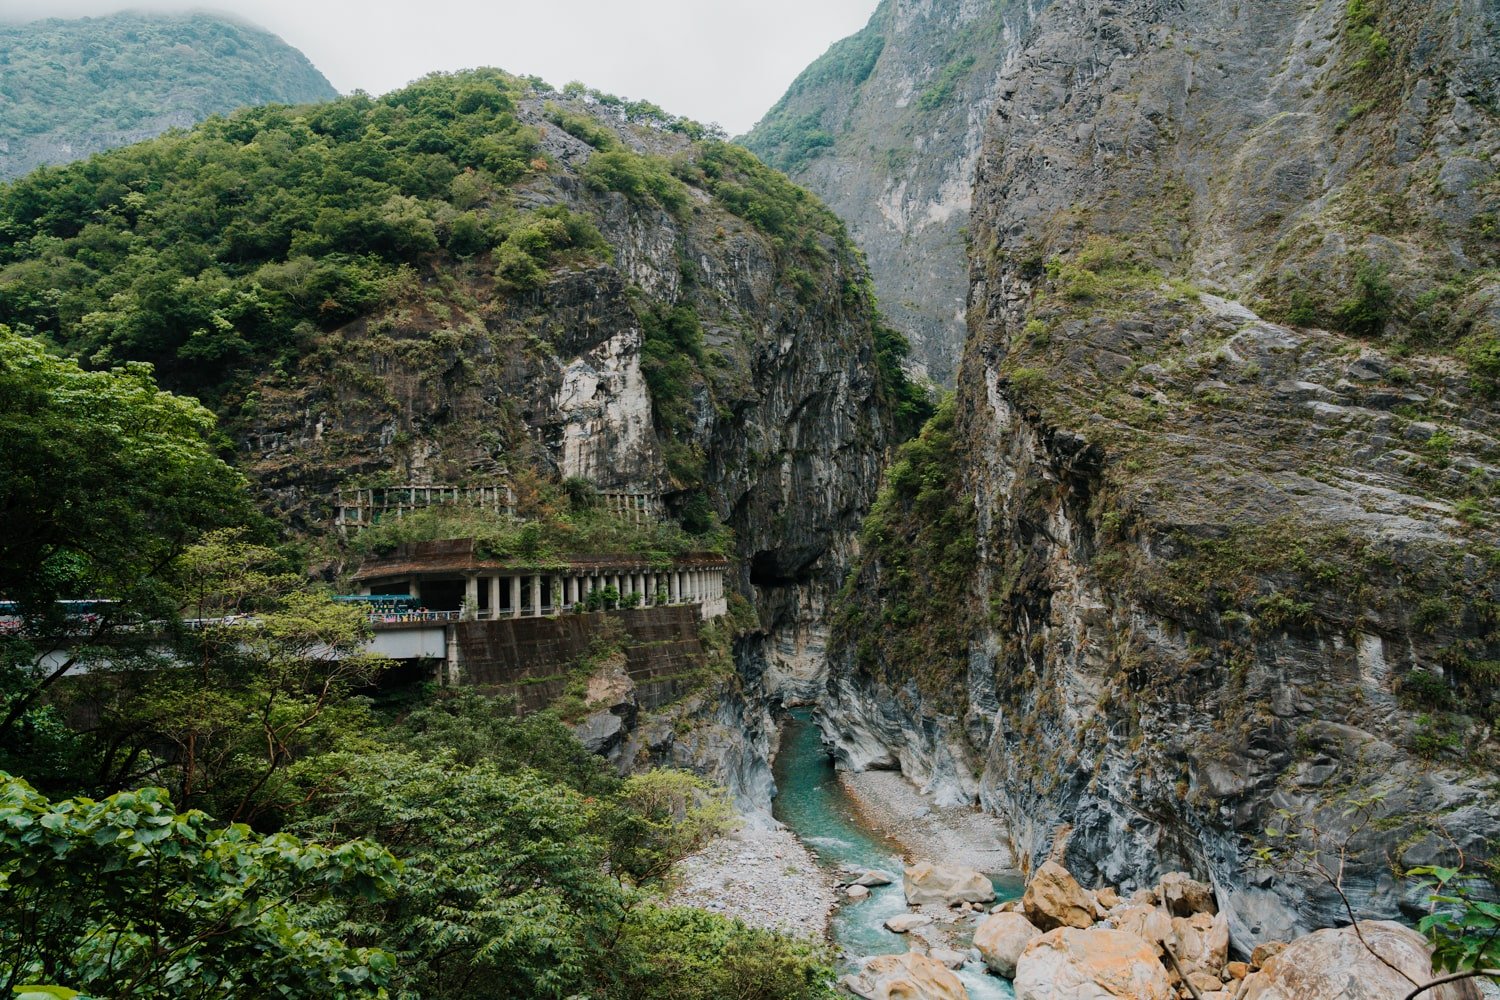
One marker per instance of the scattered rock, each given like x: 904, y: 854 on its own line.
x: 903, y: 922
x: 1333, y: 964
x: 1186, y: 896
x: 857, y: 892
x: 1107, y: 897
x: 1206, y: 983
x: 1095, y: 964
x: 1264, y: 952
x: 952, y: 959
x: 1055, y: 899
x: 945, y: 885
x: 875, y: 877
x: 905, y: 977
x: 1000, y: 938
x: 1236, y: 970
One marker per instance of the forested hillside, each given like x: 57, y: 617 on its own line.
x: 72, y: 88
x: 473, y: 277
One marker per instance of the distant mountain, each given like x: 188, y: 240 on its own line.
x: 71, y: 88
x: 886, y: 127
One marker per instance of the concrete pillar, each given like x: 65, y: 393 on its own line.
x: 674, y: 593
x: 471, y: 593
x: 494, y: 597
x: 650, y: 588
x: 515, y: 597
x: 450, y: 634
x: 414, y: 588
x: 536, y: 596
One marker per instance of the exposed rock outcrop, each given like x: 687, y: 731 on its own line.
x: 905, y: 977
x: 779, y: 425
x: 886, y: 128
x: 1055, y: 899
x: 1229, y: 440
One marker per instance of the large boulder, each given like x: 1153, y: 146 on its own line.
x: 946, y: 885
x: 905, y: 977
x: 1149, y: 923
x: 1095, y: 964
x: 1333, y: 964
x: 1201, y: 943
x: 1000, y: 938
x: 1055, y: 899
x: 1185, y: 896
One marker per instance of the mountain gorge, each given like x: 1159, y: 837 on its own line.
x: 69, y: 89
x: 1195, y: 570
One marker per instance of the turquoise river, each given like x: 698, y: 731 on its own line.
x: 814, y: 805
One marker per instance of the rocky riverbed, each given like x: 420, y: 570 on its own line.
x: 956, y: 835
x: 761, y: 875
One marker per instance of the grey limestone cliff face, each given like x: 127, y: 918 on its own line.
x: 72, y: 88
x: 1232, y: 447
x: 459, y: 382
x: 886, y: 128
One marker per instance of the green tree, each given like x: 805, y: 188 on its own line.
x: 260, y: 690
x: 104, y: 482
x: 503, y: 892
x: 127, y: 898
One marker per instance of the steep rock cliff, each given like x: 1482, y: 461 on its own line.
x: 1227, y: 425
x: 886, y: 128
x: 70, y: 89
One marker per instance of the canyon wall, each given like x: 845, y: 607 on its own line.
x: 1225, y: 455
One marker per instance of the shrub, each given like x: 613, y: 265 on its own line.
x: 643, y: 180
x: 1368, y: 310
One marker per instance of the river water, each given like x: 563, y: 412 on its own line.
x: 812, y: 803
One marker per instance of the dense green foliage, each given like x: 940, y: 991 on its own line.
x: 229, y: 246
x: 104, y: 482
x: 904, y: 609
x: 945, y: 84
x: 528, y: 869
x: 69, y: 81
x: 125, y: 897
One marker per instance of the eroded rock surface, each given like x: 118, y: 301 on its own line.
x: 1334, y: 964
x: 1230, y: 454
x: 945, y: 885
x: 1074, y: 964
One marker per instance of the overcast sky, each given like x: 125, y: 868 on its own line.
x: 714, y: 60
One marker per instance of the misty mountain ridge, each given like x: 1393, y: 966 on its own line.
x: 72, y: 88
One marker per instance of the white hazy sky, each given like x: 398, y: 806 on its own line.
x: 724, y: 61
